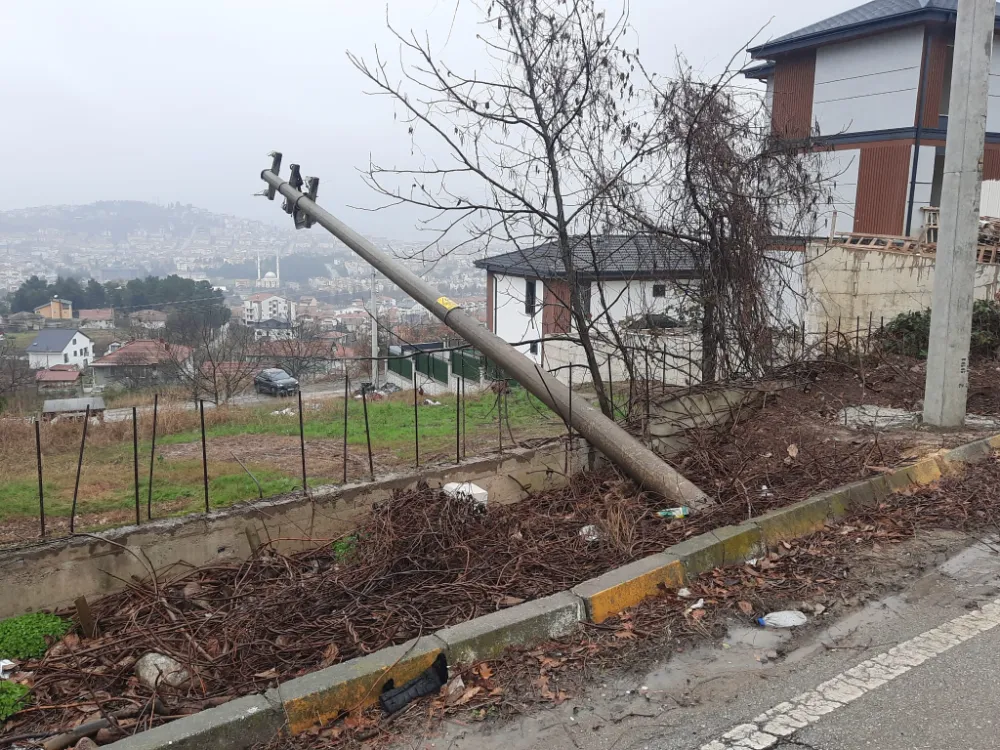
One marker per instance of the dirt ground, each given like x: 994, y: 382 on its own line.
x: 324, y: 458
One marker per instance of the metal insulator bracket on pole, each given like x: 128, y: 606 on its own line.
x: 276, y: 169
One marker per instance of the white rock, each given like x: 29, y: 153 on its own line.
x: 468, y: 491
x: 155, y: 669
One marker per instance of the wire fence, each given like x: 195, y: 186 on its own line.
x: 148, y: 430
x: 423, y: 376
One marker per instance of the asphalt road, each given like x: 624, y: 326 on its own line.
x: 929, y: 661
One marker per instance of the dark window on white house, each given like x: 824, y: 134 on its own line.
x: 65, y: 358
x: 529, y: 297
x: 659, y: 290
x: 533, y: 347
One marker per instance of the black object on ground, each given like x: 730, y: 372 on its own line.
x: 429, y: 682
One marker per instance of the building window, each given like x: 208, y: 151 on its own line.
x: 529, y: 297
x: 659, y: 290
x: 533, y: 347
x: 937, y: 180
x: 74, y: 342
x: 65, y: 359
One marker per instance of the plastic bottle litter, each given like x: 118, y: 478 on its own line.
x: 791, y: 618
x: 682, y: 512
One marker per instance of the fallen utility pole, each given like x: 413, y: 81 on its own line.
x: 947, y: 383
x: 620, y: 447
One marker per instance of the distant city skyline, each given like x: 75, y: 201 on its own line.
x: 180, y: 101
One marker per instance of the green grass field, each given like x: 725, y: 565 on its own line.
x: 107, y: 493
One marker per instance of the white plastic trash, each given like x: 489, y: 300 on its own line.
x: 590, y: 533
x: 467, y: 491
x: 791, y: 618
x: 700, y: 604
x: 7, y: 668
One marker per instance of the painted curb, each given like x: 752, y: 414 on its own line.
x: 319, y: 697
x: 324, y: 695
x: 486, y: 637
x: 713, y: 549
x: 238, y: 724
x: 621, y: 588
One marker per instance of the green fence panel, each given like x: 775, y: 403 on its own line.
x: 439, y: 370
x: 424, y: 364
x: 466, y: 365
x: 402, y: 367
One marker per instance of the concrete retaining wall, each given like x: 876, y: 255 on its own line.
x: 53, y: 574
x: 845, y: 285
x: 671, y: 418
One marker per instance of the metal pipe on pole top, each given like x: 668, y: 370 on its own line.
x: 621, y: 448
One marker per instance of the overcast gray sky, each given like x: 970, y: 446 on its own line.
x: 180, y: 100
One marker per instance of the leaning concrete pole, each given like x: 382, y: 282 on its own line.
x: 620, y: 447
x: 958, y: 237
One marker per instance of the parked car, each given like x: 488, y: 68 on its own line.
x: 276, y: 382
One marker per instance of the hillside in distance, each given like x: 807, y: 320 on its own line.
x: 121, y: 219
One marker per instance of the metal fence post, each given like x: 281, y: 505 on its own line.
x: 204, y: 451
x: 416, y: 417
x: 347, y: 400
x: 458, y: 422
x: 368, y: 434
x: 648, y: 398
x: 611, y: 391
x: 79, y: 468
x: 135, y: 461
x: 465, y: 432
x: 569, y: 425
x: 302, y: 447
x: 41, y: 490
x: 152, y: 459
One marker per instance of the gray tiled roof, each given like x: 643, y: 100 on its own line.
x: 52, y: 340
x: 599, y: 256
x: 874, y: 12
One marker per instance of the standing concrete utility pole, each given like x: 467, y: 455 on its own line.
x: 374, y: 326
x: 954, y: 277
x: 620, y: 447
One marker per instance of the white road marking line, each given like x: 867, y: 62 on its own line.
x: 787, y: 718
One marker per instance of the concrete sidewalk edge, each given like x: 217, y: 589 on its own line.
x: 323, y: 695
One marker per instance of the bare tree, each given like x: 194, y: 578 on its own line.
x: 301, y: 354
x: 725, y: 199
x: 14, y: 372
x: 521, y: 143
x: 217, y: 363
